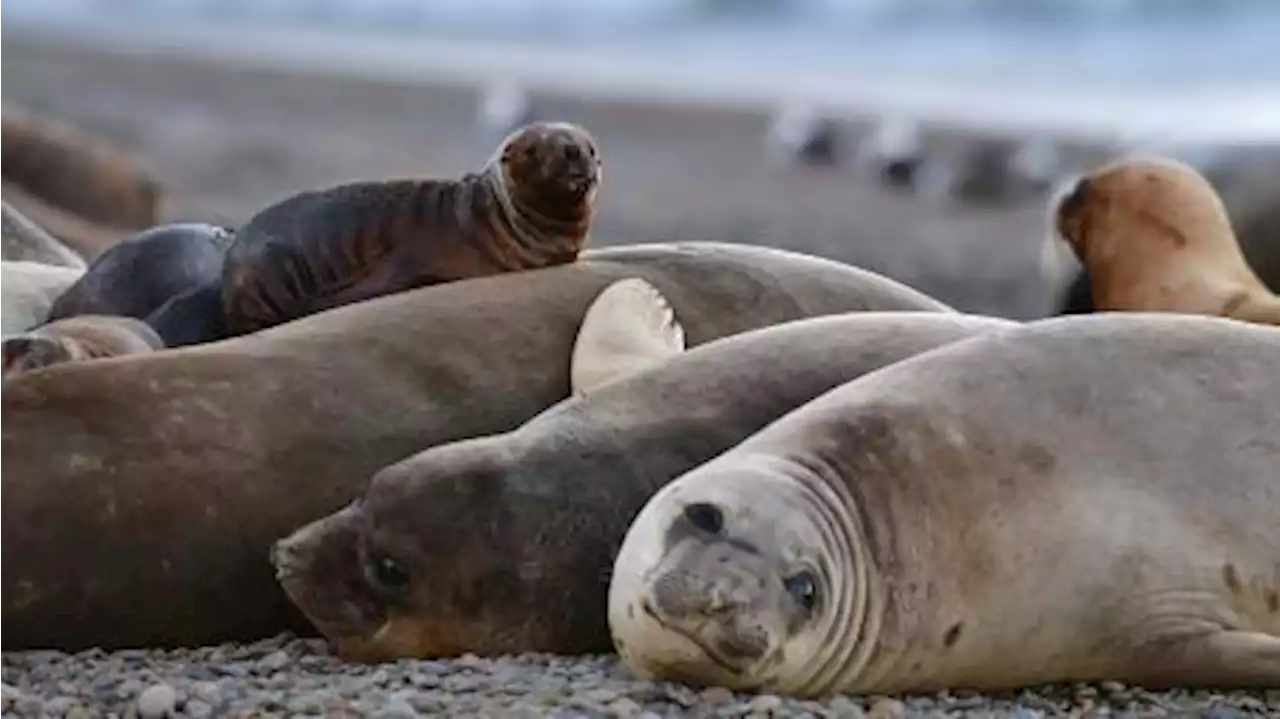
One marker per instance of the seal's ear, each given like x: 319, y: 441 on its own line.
x: 629, y: 327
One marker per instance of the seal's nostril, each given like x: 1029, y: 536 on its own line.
x: 573, y: 153
x: 705, y: 516
x: 1074, y: 200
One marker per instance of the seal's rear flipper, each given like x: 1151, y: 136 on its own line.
x: 628, y: 328
x: 1235, y: 659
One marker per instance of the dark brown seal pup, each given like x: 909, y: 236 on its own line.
x: 191, y: 317
x: 503, y: 544
x: 161, y: 481
x: 530, y: 206
x: 138, y: 275
x: 68, y: 170
x: 25, y: 241
x: 78, y: 339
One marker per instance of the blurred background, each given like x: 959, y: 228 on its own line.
x: 917, y: 138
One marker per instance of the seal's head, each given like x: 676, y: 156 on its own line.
x: 726, y: 578
x: 550, y: 170
x: 27, y: 352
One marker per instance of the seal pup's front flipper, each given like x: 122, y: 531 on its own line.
x: 629, y: 327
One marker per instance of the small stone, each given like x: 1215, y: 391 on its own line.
x: 886, y: 708
x: 1111, y: 687
x: 624, y: 707
x: 715, y: 696
x: 765, y: 703
x: 197, y: 709
x: 396, y: 707
x: 59, y: 706
x: 9, y: 696
x: 79, y: 712
x: 275, y: 661
x: 844, y: 708
x: 206, y: 692
x: 156, y: 701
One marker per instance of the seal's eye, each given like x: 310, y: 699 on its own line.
x: 705, y: 516
x: 388, y: 573
x: 803, y: 588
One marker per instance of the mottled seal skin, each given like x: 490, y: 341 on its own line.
x: 137, y: 276
x: 505, y: 543
x: 78, y: 339
x: 530, y: 206
x: 77, y: 173
x: 1155, y: 237
x: 191, y: 317
x: 1037, y: 505
x: 162, y: 480
x: 25, y: 241
x: 29, y: 289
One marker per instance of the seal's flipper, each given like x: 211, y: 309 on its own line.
x: 1235, y: 658
x: 629, y: 327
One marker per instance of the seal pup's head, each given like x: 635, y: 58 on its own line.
x: 549, y: 172
x: 738, y: 574
x: 471, y: 546
x: 1154, y: 236
x: 78, y: 339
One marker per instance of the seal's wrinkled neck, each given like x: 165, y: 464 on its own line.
x: 540, y: 240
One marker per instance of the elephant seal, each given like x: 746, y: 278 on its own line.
x: 29, y: 289
x: 24, y: 241
x: 1155, y: 236
x: 1036, y: 505
x: 62, y: 170
x: 78, y: 339
x: 138, y: 275
x: 530, y: 206
x: 162, y: 480
x: 517, y: 531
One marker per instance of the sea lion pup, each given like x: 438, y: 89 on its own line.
x: 78, y: 339
x: 138, y: 275
x: 72, y: 171
x: 530, y: 206
x: 29, y: 289
x: 163, y: 479
x: 504, y: 544
x: 1156, y: 237
x: 24, y: 241
x: 1036, y: 505
x: 191, y: 317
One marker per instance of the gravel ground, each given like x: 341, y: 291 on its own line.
x: 286, y: 676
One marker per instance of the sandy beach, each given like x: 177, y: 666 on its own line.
x: 226, y: 141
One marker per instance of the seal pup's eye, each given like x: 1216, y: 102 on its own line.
x: 803, y: 588
x: 388, y: 573
x: 705, y: 516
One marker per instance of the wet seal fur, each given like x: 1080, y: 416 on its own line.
x: 25, y: 241
x: 138, y: 275
x: 29, y: 290
x: 78, y: 339
x: 504, y: 544
x: 79, y: 187
x: 530, y: 206
x: 1153, y: 236
x: 1036, y: 505
x: 162, y: 480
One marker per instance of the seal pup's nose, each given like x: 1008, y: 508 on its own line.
x: 1073, y: 196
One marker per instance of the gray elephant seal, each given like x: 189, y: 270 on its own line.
x: 504, y: 544
x: 1037, y: 505
x: 190, y: 463
x: 24, y: 241
x: 29, y: 290
x: 78, y: 339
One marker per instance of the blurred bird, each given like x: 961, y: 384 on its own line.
x: 800, y: 135
x: 893, y: 153
x: 504, y: 106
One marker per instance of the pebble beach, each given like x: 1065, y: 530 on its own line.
x: 228, y: 140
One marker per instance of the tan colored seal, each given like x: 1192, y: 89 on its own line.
x: 25, y: 241
x: 1084, y: 498
x: 78, y: 339
x: 1154, y: 236
x: 79, y: 187
x: 29, y: 290
x: 162, y: 480
x: 530, y: 206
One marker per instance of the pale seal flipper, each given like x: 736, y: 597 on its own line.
x: 1038, y: 505
x: 29, y: 290
x: 78, y: 339
x: 1156, y: 237
x: 25, y: 241
x: 627, y: 329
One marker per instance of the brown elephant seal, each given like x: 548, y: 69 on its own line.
x: 138, y: 275
x: 78, y: 339
x: 530, y: 206
x: 503, y: 544
x: 28, y: 290
x: 162, y: 480
x: 1037, y: 505
x: 1155, y: 236
x: 24, y: 241
x: 70, y: 171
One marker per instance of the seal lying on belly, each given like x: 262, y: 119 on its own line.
x: 142, y: 494
x: 503, y: 544
x: 1081, y: 499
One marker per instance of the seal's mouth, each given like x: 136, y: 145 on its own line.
x: 693, y: 636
